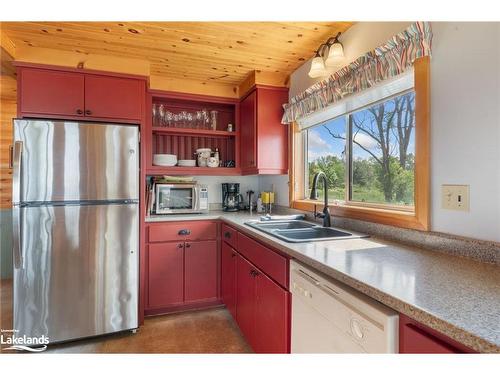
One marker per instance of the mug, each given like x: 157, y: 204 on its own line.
x: 212, y: 162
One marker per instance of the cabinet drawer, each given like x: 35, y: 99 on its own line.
x: 270, y: 262
x: 229, y: 235
x: 185, y: 230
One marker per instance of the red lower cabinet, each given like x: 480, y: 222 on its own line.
x: 228, y: 277
x: 200, y: 270
x: 166, y: 274
x: 271, y: 315
x: 245, y: 299
x: 415, y: 338
x: 262, y: 308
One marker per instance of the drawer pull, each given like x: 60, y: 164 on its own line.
x: 184, y: 232
x: 227, y: 234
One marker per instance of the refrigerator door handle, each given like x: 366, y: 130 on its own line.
x: 16, y: 199
x: 16, y: 173
x: 16, y: 238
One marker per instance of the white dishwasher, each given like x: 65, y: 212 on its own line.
x: 330, y: 317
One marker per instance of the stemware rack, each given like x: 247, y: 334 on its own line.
x: 185, y: 136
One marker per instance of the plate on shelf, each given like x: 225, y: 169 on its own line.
x: 186, y: 163
x: 165, y: 160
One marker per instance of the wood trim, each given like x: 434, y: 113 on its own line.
x: 192, y: 97
x: 193, y: 87
x: 60, y: 68
x: 420, y: 218
x: 376, y: 215
x: 422, y: 140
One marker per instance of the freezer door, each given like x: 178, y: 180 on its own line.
x: 78, y: 271
x: 71, y: 161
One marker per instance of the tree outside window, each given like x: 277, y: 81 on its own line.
x: 380, y: 154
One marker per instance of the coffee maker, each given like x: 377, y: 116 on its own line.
x: 231, y: 197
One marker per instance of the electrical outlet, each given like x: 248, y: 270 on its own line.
x: 455, y: 197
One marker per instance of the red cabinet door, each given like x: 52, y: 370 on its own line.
x: 415, y: 338
x: 200, y: 271
x: 248, y: 131
x: 112, y: 97
x: 272, y: 141
x: 165, y: 274
x: 272, y: 326
x: 48, y: 92
x: 245, y: 299
x: 228, y: 277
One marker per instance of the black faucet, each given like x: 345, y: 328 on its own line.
x: 314, y: 195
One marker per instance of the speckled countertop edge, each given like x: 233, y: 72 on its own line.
x: 425, y: 317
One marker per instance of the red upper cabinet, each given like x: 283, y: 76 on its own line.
x: 228, y: 277
x: 200, y: 271
x: 248, y: 133
x: 51, y: 93
x: 48, y: 92
x: 264, y: 139
x: 113, y: 97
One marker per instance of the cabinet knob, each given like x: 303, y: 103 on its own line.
x: 79, y: 112
x: 184, y: 232
x: 188, y: 245
x: 227, y: 234
x: 254, y: 273
x: 88, y: 112
x: 180, y: 246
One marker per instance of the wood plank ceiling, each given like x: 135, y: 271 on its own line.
x: 222, y: 52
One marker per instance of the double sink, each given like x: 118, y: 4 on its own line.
x: 300, y: 231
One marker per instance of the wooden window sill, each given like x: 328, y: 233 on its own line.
x: 402, y: 219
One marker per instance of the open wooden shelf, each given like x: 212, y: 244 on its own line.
x: 196, y: 171
x: 193, y: 132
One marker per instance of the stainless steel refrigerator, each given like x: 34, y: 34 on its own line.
x: 75, y: 228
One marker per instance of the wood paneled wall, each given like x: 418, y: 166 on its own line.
x: 8, y: 109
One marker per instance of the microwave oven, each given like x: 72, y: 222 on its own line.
x: 180, y: 198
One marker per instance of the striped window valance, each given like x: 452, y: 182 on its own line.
x: 386, y: 61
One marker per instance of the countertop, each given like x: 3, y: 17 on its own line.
x: 456, y: 296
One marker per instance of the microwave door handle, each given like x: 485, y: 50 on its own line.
x: 196, y: 199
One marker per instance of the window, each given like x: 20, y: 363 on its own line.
x: 374, y: 149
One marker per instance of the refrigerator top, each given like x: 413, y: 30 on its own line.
x: 67, y: 161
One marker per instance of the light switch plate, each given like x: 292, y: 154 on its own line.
x: 455, y: 197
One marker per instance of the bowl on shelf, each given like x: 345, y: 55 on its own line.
x: 165, y: 160
x: 186, y: 163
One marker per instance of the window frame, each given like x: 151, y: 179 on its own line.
x: 414, y: 217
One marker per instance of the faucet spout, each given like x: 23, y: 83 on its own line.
x: 314, y: 195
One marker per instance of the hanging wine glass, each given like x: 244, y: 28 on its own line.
x: 154, y: 112
x: 161, y: 112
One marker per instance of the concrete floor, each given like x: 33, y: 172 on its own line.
x: 204, y: 331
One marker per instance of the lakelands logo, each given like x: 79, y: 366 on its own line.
x: 22, y: 343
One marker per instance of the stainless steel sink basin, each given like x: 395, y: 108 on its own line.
x: 292, y: 224
x: 301, y: 231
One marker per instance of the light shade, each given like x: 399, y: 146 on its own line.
x: 317, y: 68
x: 335, y: 54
